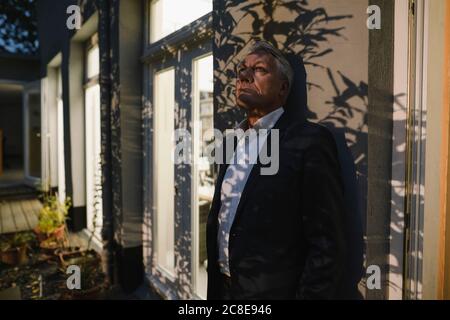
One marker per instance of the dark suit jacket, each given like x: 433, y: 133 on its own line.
x: 287, y: 240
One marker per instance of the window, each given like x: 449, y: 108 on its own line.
x: 33, y: 132
x: 167, y: 16
x: 163, y: 168
x: 93, y: 62
x: 171, y: 101
x: 203, y: 179
x: 60, y: 137
x: 93, y: 140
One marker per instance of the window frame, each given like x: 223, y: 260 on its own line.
x: 174, y: 50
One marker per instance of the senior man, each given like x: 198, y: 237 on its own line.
x: 277, y: 236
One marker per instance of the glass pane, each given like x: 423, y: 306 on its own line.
x: 93, y: 160
x: 203, y: 170
x: 60, y: 140
x: 163, y: 168
x: 167, y: 16
x: 34, y: 135
x: 93, y: 62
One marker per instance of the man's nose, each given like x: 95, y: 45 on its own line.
x: 246, y: 75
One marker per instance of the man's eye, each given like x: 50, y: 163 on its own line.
x: 260, y: 69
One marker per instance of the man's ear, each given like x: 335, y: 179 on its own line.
x: 284, y: 89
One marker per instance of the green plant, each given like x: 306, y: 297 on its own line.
x: 16, y: 241
x: 53, y: 214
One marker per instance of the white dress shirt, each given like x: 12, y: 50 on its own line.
x: 235, y: 179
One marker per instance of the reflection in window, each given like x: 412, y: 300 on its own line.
x: 167, y: 16
x: 203, y: 171
x: 163, y: 169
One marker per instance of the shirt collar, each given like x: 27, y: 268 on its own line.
x: 266, y: 122
x: 269, y: 120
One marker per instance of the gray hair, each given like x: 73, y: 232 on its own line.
x: 283, y: 65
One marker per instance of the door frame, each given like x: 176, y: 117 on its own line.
x: 415, y: 149
x: 427, y: 154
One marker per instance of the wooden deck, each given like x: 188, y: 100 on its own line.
x: 19, y: 215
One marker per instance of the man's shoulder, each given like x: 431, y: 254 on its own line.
x: 310, y: 134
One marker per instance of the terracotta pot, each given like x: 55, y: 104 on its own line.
x: 15, y: 256
x: 58, y: 234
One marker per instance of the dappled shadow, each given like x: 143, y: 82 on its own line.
x: 303, y: 32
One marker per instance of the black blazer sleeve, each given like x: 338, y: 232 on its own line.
x: 322, y: 217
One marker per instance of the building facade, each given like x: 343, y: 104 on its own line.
x: 113, y: 91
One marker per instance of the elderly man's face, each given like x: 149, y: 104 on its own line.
x: 259, y: 84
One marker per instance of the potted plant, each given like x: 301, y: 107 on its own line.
x: 92, y: 277
x: 13, y: 248
x: 89, y: 261
x: 51, y: 228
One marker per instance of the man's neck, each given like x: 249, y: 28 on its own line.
x: 254, y: 115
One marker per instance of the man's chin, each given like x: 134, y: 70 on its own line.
x: 245, y: 102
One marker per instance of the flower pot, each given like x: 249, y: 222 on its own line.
x: 90, y: 264
x: 15, y: 256
x: 58, y: 234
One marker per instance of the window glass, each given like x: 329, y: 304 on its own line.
x: 167, y: 16
x: 93, y: 160
x: 203, y: 171
x: 93, y: 62
x: 163, y: 168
